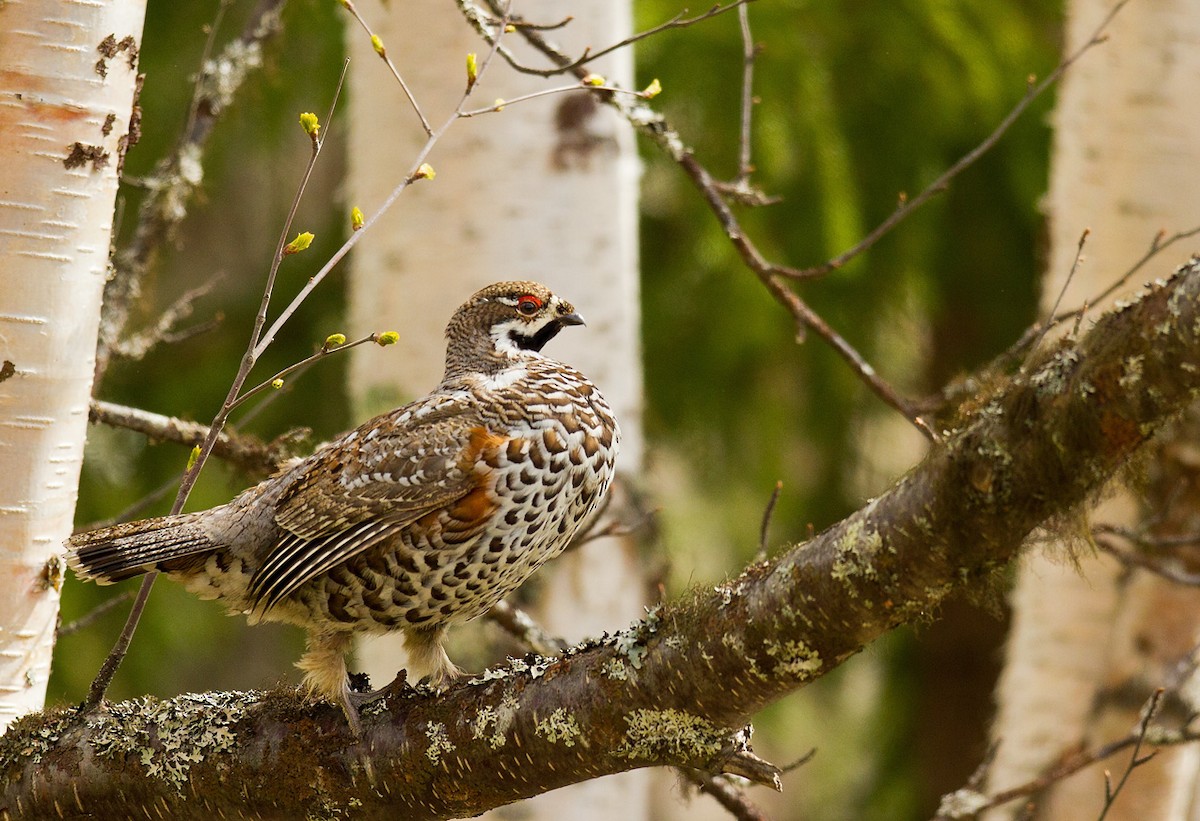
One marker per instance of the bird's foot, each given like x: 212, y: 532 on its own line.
x: 360, y: 695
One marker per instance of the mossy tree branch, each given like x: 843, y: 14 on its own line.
x: 675, y: 687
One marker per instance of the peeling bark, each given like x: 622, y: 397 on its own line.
x: 673, y: 687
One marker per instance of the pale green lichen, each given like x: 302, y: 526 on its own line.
x: 1052, y: 378
x: 492, y: 723
x: 1133, y: 371
x: 671, y: 735
x: 439, y: 741
x: 560, y: 727
x: 615, y: 669
x: 857, y: 549
x: 794, y: 658
x: 168, y: 737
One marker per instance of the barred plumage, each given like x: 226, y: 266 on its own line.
x: 418, y: 519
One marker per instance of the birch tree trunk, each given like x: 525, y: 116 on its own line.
x: 1090, y: 643
x: 545, y: 190
x: 67, y: 80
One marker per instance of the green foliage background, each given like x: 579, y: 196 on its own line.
x: 859, y: 101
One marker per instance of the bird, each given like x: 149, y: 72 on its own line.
x: 420, y: 518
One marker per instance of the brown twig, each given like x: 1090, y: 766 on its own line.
x: 522, y: 627
x: 908, y: 206
x: 484, y: 25
x: 1158, y: 244
x: 765, y: 527
x: 739, y: 189
x: 247, y: 452
x: 166, y: 328
x: 377, y: 44
x: 93, y: 614
x: 1131, y: 558
x: 1037, y: 341
x: 731, y: 797
x: 969, y: 802
x: 1136, y: 759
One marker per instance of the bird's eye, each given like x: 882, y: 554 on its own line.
x: 528, y: 305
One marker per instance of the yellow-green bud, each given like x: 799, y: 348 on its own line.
x: 593, y: 80
x: 335, y: 340
x: 276, y: 383
x: 193, y: 457
x: 300, y: 243
x: 387, y: 338
x: 510, y: 28
x: 377, y: 44
x: 356, y: 218
x: 424, y: 172
x: 498, y: 105
x: 311, y: 125
x: 472, y: 69
x: 653, y: 90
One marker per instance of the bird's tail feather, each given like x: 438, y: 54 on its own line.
x: 111, y: 554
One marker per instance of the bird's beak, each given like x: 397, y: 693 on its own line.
x: 570, y: 319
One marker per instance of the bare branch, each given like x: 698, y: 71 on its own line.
x: 765, y: 528
x: 486, y: 26
x: 939, y: 185
x: 246, y: 452
x: 95, y: 613
x: 166, y: 329
x: 377, y: 44
x: 177, y: 177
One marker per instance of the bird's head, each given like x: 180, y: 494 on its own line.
x: 506, y: 320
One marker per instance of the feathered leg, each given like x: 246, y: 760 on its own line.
x: 325, y: 676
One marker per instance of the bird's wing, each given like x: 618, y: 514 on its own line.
x: 363, y: 489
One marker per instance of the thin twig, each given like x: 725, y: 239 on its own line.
x: 414, y: 174
x: 765, y: 528
x: 564, y: 64
x: 521, y: 626
x: 1135, y: 758
x: 377, y: 44
x: 177, y: 177
x: 1058, y: 300
x: 276, y: 381
x: 113, y: 661
x: 1134, y: 559
x: 1079, y: 761
x: 1158, y: 244
x: 165, y: 329
x: 908, y: 206
x: 93, y: 614
x: 500, y: 105
x: 722, y: 790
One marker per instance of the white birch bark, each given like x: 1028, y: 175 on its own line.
x: 528, y: 193
x: 1125, y: 150
x: 65, y: 103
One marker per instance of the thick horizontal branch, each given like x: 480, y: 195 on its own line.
x: 672, y: 688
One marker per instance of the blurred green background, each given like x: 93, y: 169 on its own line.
x: 859, y: 102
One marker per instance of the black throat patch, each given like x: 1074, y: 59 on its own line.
x: 538, y: 340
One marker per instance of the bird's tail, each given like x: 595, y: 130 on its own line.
x: 111, y: 554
